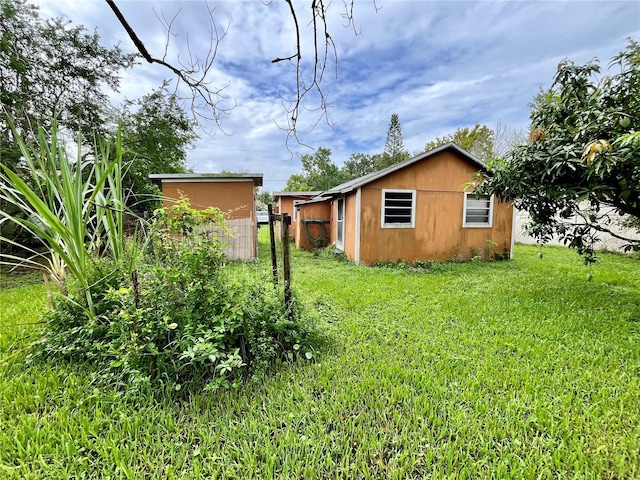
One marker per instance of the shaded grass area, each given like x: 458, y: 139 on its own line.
x: 518, y: 369
x: 19, y: 279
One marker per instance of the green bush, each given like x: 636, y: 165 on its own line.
x: 182, y: 319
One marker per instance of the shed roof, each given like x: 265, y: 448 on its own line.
x: 297, y: 194
x: 365, y: 179
x: 317, y: 199
x: 256, y: 178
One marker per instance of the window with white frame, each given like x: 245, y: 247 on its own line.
x: 398, y: 208
x: 478, y: 211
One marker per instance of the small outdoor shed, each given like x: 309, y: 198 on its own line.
x: 416, y: 210
x: 285, y: 202
x: 233, y: 193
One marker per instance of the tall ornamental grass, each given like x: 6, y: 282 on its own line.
x: 75, y: 208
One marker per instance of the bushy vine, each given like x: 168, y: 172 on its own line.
x: 181, y: 317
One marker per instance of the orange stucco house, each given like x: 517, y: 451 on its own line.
x: 412, y: 211
x: 233, y: 193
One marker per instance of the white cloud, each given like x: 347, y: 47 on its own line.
x: 438, y: 64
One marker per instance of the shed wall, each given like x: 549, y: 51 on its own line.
x: 312, y: 211
x: 235, y: 199
x: 285, y: 205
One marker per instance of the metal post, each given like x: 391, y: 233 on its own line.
x: 272, y: 239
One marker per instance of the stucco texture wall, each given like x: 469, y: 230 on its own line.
x: 285, y: 205
x: 313, y: 211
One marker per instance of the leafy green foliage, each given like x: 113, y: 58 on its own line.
x: 319, y: 173
x: 360, y: 164
x: 180, y: 319
x: 584, y: 150
x: 156, y: 135
x: 478, y: 140
x: 75, y: 210
x: 264, y: 196
x: 50, y: 69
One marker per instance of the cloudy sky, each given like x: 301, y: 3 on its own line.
x: 439, y: 65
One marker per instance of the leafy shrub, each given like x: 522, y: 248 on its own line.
x: 182, y: 318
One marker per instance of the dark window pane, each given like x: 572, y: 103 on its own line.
x: 398, y: 207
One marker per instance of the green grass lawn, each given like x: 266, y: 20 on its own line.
x: 518, y: 369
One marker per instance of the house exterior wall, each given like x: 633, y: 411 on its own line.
x: 236, y: 199
x: 332, y: 225
x: 312, y: 211
x: 350, y: 226
x: 285, y: 205
x: 438, y: 232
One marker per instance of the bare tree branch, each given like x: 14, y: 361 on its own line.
x: 323, y: 46
x: 307, y: 94
x: 598, y: 223
x: 205, y: 100
x: 506, y: 138
x: 589, y: 223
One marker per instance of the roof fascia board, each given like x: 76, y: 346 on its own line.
x: 256, y: 178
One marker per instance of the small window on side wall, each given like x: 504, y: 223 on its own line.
x: 398, y: 208
x: 478, y: 211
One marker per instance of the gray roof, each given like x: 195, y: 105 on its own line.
x: 361, y: 181
x: 318, y: 199
x: 256, y: 178
x: 296, y: 194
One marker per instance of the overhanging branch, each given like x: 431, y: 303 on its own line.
x: 205, y: 99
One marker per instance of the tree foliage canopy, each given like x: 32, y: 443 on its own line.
x: 394, y: 151
x: 318, y: 173
x: 360, y: 164
x: 264, y: 196
x: 49, y: 69
x: 478, y: 140
x: 156, y: 135
x: 584, y: 149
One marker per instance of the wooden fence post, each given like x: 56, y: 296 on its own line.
x: 286, y: 262
x: 272, y: 241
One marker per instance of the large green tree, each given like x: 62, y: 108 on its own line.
x: 477, y: 140
x: 319, y: 173
x: 580, y: 171
x: 156, y: 135
x: 394, y: 151
x: 50, y: 69
x: 360, y: 164
x: 264, y: 196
